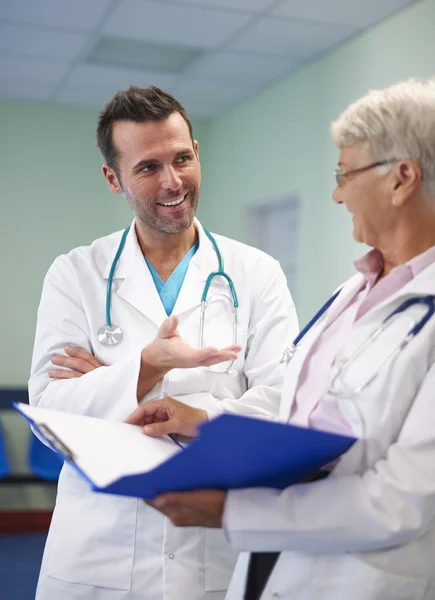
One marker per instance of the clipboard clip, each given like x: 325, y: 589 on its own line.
x: 51, y: 437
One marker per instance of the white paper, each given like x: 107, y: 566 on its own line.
x: 104, y: 450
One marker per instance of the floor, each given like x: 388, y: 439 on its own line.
x: 20, y: 559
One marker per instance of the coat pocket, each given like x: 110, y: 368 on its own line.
x: 91, y: 539
x: 356, y: 579
x: 220, y: 560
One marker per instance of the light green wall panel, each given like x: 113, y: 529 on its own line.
x: 53, y: 198
x: 278, y: 145
x: 274, y: 146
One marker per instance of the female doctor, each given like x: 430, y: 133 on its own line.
x: 367, y: 531
x: 108, y: 303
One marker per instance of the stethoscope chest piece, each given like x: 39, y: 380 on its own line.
x: 109, y: 335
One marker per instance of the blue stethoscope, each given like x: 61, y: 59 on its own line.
x: 111, y: 335
x: 337, y: 385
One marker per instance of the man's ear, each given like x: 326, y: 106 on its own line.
x: 196, y: 148
x: 112, y: 179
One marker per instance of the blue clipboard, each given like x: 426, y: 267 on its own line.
x: 231, y: 452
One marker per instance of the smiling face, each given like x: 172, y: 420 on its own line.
x: 159, y: 172
x: 367, y: 196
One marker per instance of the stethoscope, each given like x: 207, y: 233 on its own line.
x: 110, y: 334
x: 337, y: 385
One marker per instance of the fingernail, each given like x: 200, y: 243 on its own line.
x: 148, y: 430
x: 51, y: 373
x: 68, y: 348
x: 159, y: 502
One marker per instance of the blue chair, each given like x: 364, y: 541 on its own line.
x: 4, y: 464
x: 42, y: 461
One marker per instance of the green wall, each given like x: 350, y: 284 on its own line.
x: 53, y: 196
x: 273, y: 146
x: 278, y: 145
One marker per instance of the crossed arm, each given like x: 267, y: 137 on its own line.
x: 167, y: 351
x: 162, y: 416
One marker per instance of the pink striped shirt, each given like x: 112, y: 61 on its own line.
x: 312, y: 407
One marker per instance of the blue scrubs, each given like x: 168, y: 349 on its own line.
x: 169, y: 290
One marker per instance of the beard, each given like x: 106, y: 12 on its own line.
x: 147, y: 212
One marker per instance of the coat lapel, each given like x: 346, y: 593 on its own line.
x: 133, y: 282
x: 295, y: 365
x: 420, y: 286
x: 423, y: 284
x: 202, y: 264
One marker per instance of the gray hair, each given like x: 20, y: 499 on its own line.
x: 395, y: 123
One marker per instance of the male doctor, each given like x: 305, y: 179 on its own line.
x: 367, y: 531
x: 103, y: 547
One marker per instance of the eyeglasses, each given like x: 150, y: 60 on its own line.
x: 340, y: 175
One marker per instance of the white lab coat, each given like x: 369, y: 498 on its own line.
x: 104, y: 547
x: 367, y: 531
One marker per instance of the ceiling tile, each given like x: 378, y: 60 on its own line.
x: 117, y: 78
x: 78, y: 14
x: 244, y: 68
x: 198, y: 105
x: 39, y: 42
x: 348, y: 12
x: 245, y: 5
x: 205, y: 98
x: 205, y: 110
x: 31, y: 70
x: 82, y: 95
x: 174, y: 24
x: 273, y: 36
x: 25, y: 90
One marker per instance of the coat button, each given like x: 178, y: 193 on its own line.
x: 171, y: 556
x: 275, y: 595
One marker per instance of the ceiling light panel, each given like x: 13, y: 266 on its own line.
x: 173, y: 24
x: 139, y: 54
x: 83, y: 15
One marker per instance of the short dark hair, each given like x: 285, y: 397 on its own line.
x: 134, y: 104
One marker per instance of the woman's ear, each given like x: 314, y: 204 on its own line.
x: 407, y: 178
